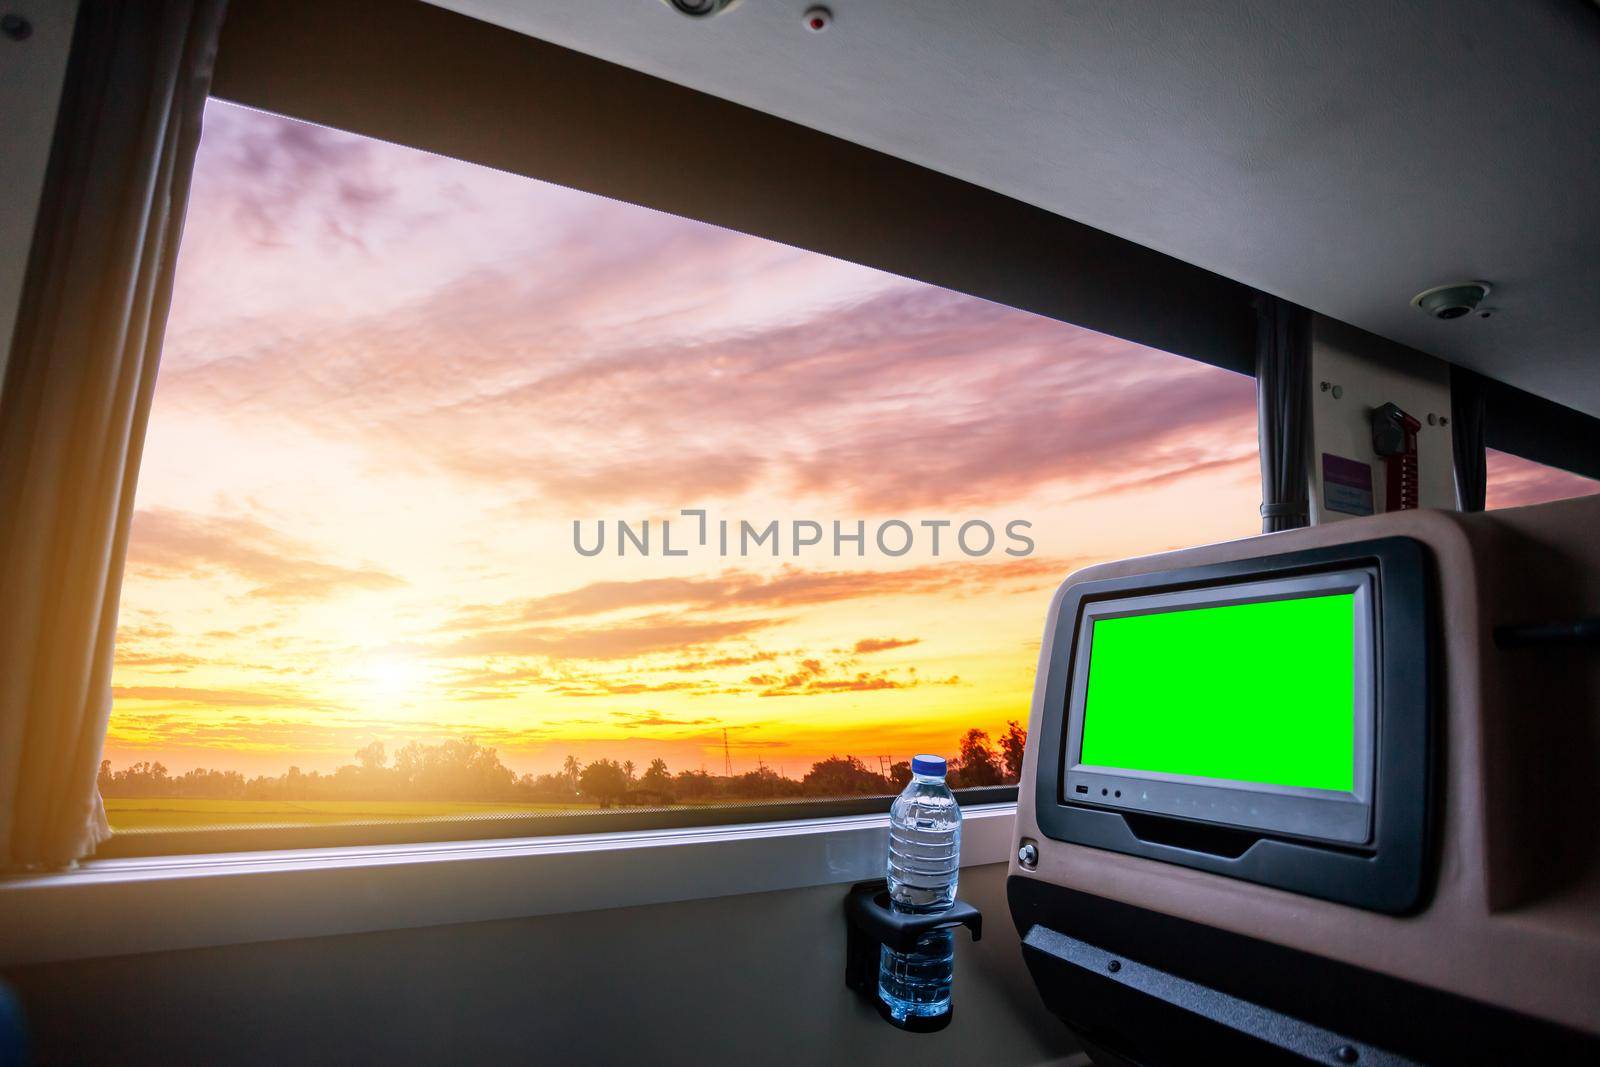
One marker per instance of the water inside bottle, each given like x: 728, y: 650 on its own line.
x: 918, y: 983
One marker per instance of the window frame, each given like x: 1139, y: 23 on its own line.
x: 560, y: 116
x: 117, y: 907
x: 129, y: 844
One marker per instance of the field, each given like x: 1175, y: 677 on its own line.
x: 151, y: 813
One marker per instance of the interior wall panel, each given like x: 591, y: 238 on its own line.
x: 746, y: 979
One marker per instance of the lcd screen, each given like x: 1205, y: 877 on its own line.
x: 1259, y: 692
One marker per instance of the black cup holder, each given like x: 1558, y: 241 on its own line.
x: 871, y: 924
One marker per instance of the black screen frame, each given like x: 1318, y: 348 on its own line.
x: 1392, y: 873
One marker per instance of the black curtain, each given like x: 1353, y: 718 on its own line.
x: 1467, y: 435
x: 1283, y: 408
x: 76, y: 398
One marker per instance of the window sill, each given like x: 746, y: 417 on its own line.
x: 161, y: 903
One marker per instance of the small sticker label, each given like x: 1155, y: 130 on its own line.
x: 1346, y: 485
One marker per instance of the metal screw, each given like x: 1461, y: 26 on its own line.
x: 1028, y: 855
x: 16, y: 27
x: 1346, y: 1054
x: 1326, y: 386
x: 1114, y: 966
x: 1338, y: 391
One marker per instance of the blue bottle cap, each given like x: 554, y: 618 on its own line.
x: 930, y: 765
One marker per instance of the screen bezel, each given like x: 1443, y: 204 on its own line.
x: 1339, y: 816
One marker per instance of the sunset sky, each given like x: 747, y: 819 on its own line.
x: 392, y: 381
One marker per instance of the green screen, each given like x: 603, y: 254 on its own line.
x: 1248, y: 692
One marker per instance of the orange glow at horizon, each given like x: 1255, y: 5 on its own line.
x: 393, y: 381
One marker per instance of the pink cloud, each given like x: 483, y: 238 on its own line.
x: 169, y: 543
x: 619, y: 641
x: 790, y: 587
x: 1516, y: 482
x: 882, y: 644
x: 173, y: 694
x: 569, y: 363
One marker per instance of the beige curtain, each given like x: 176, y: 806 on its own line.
x: 76, y: 398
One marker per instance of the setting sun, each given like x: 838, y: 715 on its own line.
x: 390, y: 679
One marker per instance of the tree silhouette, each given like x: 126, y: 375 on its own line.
x: 977, y: 765
x: 458, y: 769
x: 142, y: 779
x: 764, y: 784
x: 899, y: 775
x: 546, y: 787
x: 694, y: 785
x: 372, y: 757
x: 604, y: 782
x: 657, y: 782
x: 462, y: 770
x: 840, y: 776
x: 1013, y: 743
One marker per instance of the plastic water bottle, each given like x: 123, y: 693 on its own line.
x: 924, y: 863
